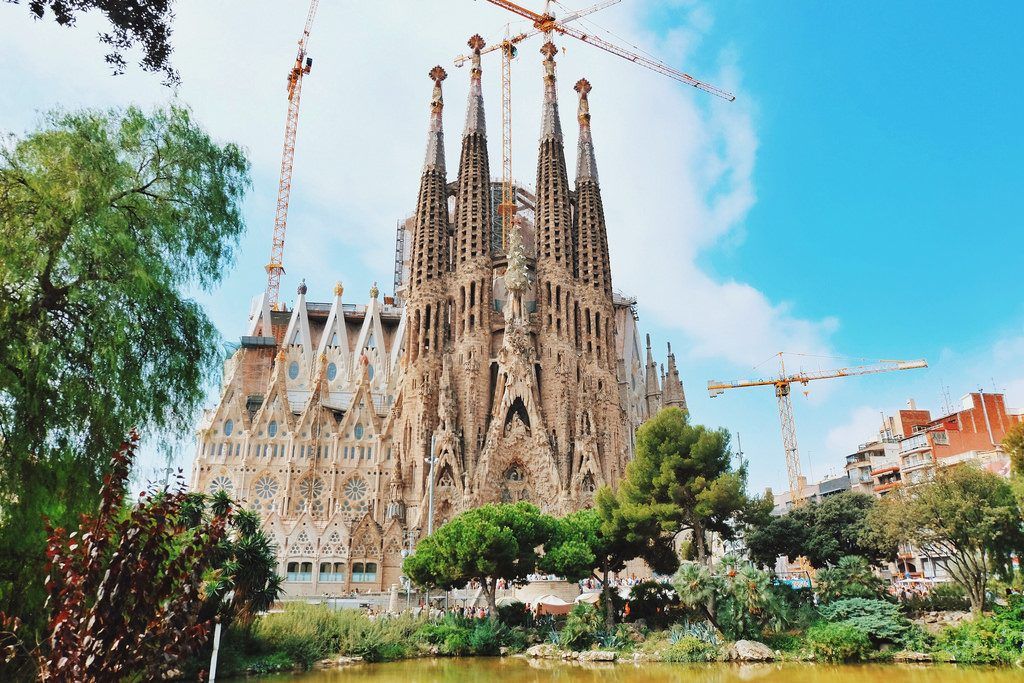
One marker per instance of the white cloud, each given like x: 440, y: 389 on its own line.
x: 861, y: 426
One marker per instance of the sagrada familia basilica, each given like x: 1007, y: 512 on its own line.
x: 491, y: 375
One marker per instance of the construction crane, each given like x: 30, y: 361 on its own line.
x: 783, y: 384
x: 303, y: 65
x: 546, y: 23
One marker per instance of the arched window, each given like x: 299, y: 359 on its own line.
x: 332, y: 372
x: 272, y: 429
x: 229, y: 426
x: 293, y: 370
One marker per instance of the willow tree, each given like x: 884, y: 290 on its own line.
x: 106, y: 218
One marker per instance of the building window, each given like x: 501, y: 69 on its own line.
x: 369, y: 371
x: 332, y: 572
x: 941, y: 438
x: 293, y: 370
x: 222, y: 483
x: 229, y: 426
x: 364, y: 573
x: 266, y: 487
x: 272, y: 429
x: 300, y: 572
x: 358, y: 431
x: 332, y: 371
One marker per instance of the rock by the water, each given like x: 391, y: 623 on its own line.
x: 544, y: 651
x: 750, y: 651
x: 908, y: 656
x: 597, y: 656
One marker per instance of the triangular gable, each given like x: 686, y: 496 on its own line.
x: 371, y: 343
x: 297, y: 333
x: 398, y: 343
x: 362, y: 410
x: 259, y: 317
x: 366, y: 538
x: 275, y: 403
x: 334, y: 340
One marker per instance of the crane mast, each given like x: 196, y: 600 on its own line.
x: 783, y: 385
x: 303, y: 65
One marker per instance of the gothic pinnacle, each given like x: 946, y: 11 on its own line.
x: 435, y: 139
x: 551, y: 127
x: 586, y: 164
x: 475, y: 107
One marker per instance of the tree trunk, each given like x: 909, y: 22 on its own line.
x: 609, y: 607
x: 490, y: 588
x: 698, y: 541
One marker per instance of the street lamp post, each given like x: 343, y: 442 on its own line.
x: 216, y: 640
x: 431, y: 460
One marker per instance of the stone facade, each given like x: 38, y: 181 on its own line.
x: 509, y: 375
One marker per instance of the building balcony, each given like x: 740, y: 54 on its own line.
x: 888, y: 486
x: 888, y: 469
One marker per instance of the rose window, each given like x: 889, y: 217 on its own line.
x: 266, y: 488
x: 355, y: 488
x: 221, y: 483
x: 311, y: 487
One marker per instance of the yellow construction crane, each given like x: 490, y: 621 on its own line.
x: 783, y: 384
x: 546, y: 23
x: 303, y: 65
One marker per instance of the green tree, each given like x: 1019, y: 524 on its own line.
x: 682, y: 475
x: 599, y: 542
x: 736, y: 598
x: 966, y: 519
x: 483, y: 544
x: 1013, y: 444
x: 105, y: 218
x: 823, y: 532
x: 245, y: 564
x: 146, y: 24
x: 851, y: 577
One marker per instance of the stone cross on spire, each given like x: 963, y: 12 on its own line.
x: 435, y: 139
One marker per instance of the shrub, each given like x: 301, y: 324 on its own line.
x: 850, y: 578
x: 654, y: 602
x: 882, y: 621
x: 581, y: 629
x: 995, y: 639
x: 839, y: 642
x: 944, y: 597
x: 308, y: 633
x: 689, y: 649
x: 516, y: 614
x: 458, y: 636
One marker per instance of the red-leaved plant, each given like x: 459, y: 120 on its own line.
x: 125, y: 589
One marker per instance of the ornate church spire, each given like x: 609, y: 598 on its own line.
x: 653, y: 389
x: 473, y: 202
x: 674, y: 394
x: 592, y: 266
x: 554, y: 229
x: 430, y: 238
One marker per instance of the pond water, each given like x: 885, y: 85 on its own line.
x: 520, y: 670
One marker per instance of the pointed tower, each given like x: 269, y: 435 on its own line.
x: 473, y: 203
x: 427, y: 303
x: 470, y: 288
x: 653, y: 388
x: 430, y: 241
x: 557, y: 309
x: 674, y: 394
x: 594, y: 289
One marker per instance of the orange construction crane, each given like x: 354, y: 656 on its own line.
x: 782, y: 385
x: 547, y: 23
x: 303, y: 65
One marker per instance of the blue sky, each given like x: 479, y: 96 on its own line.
x: 861, y: 198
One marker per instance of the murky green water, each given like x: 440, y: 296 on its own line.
x: 518, y: 670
